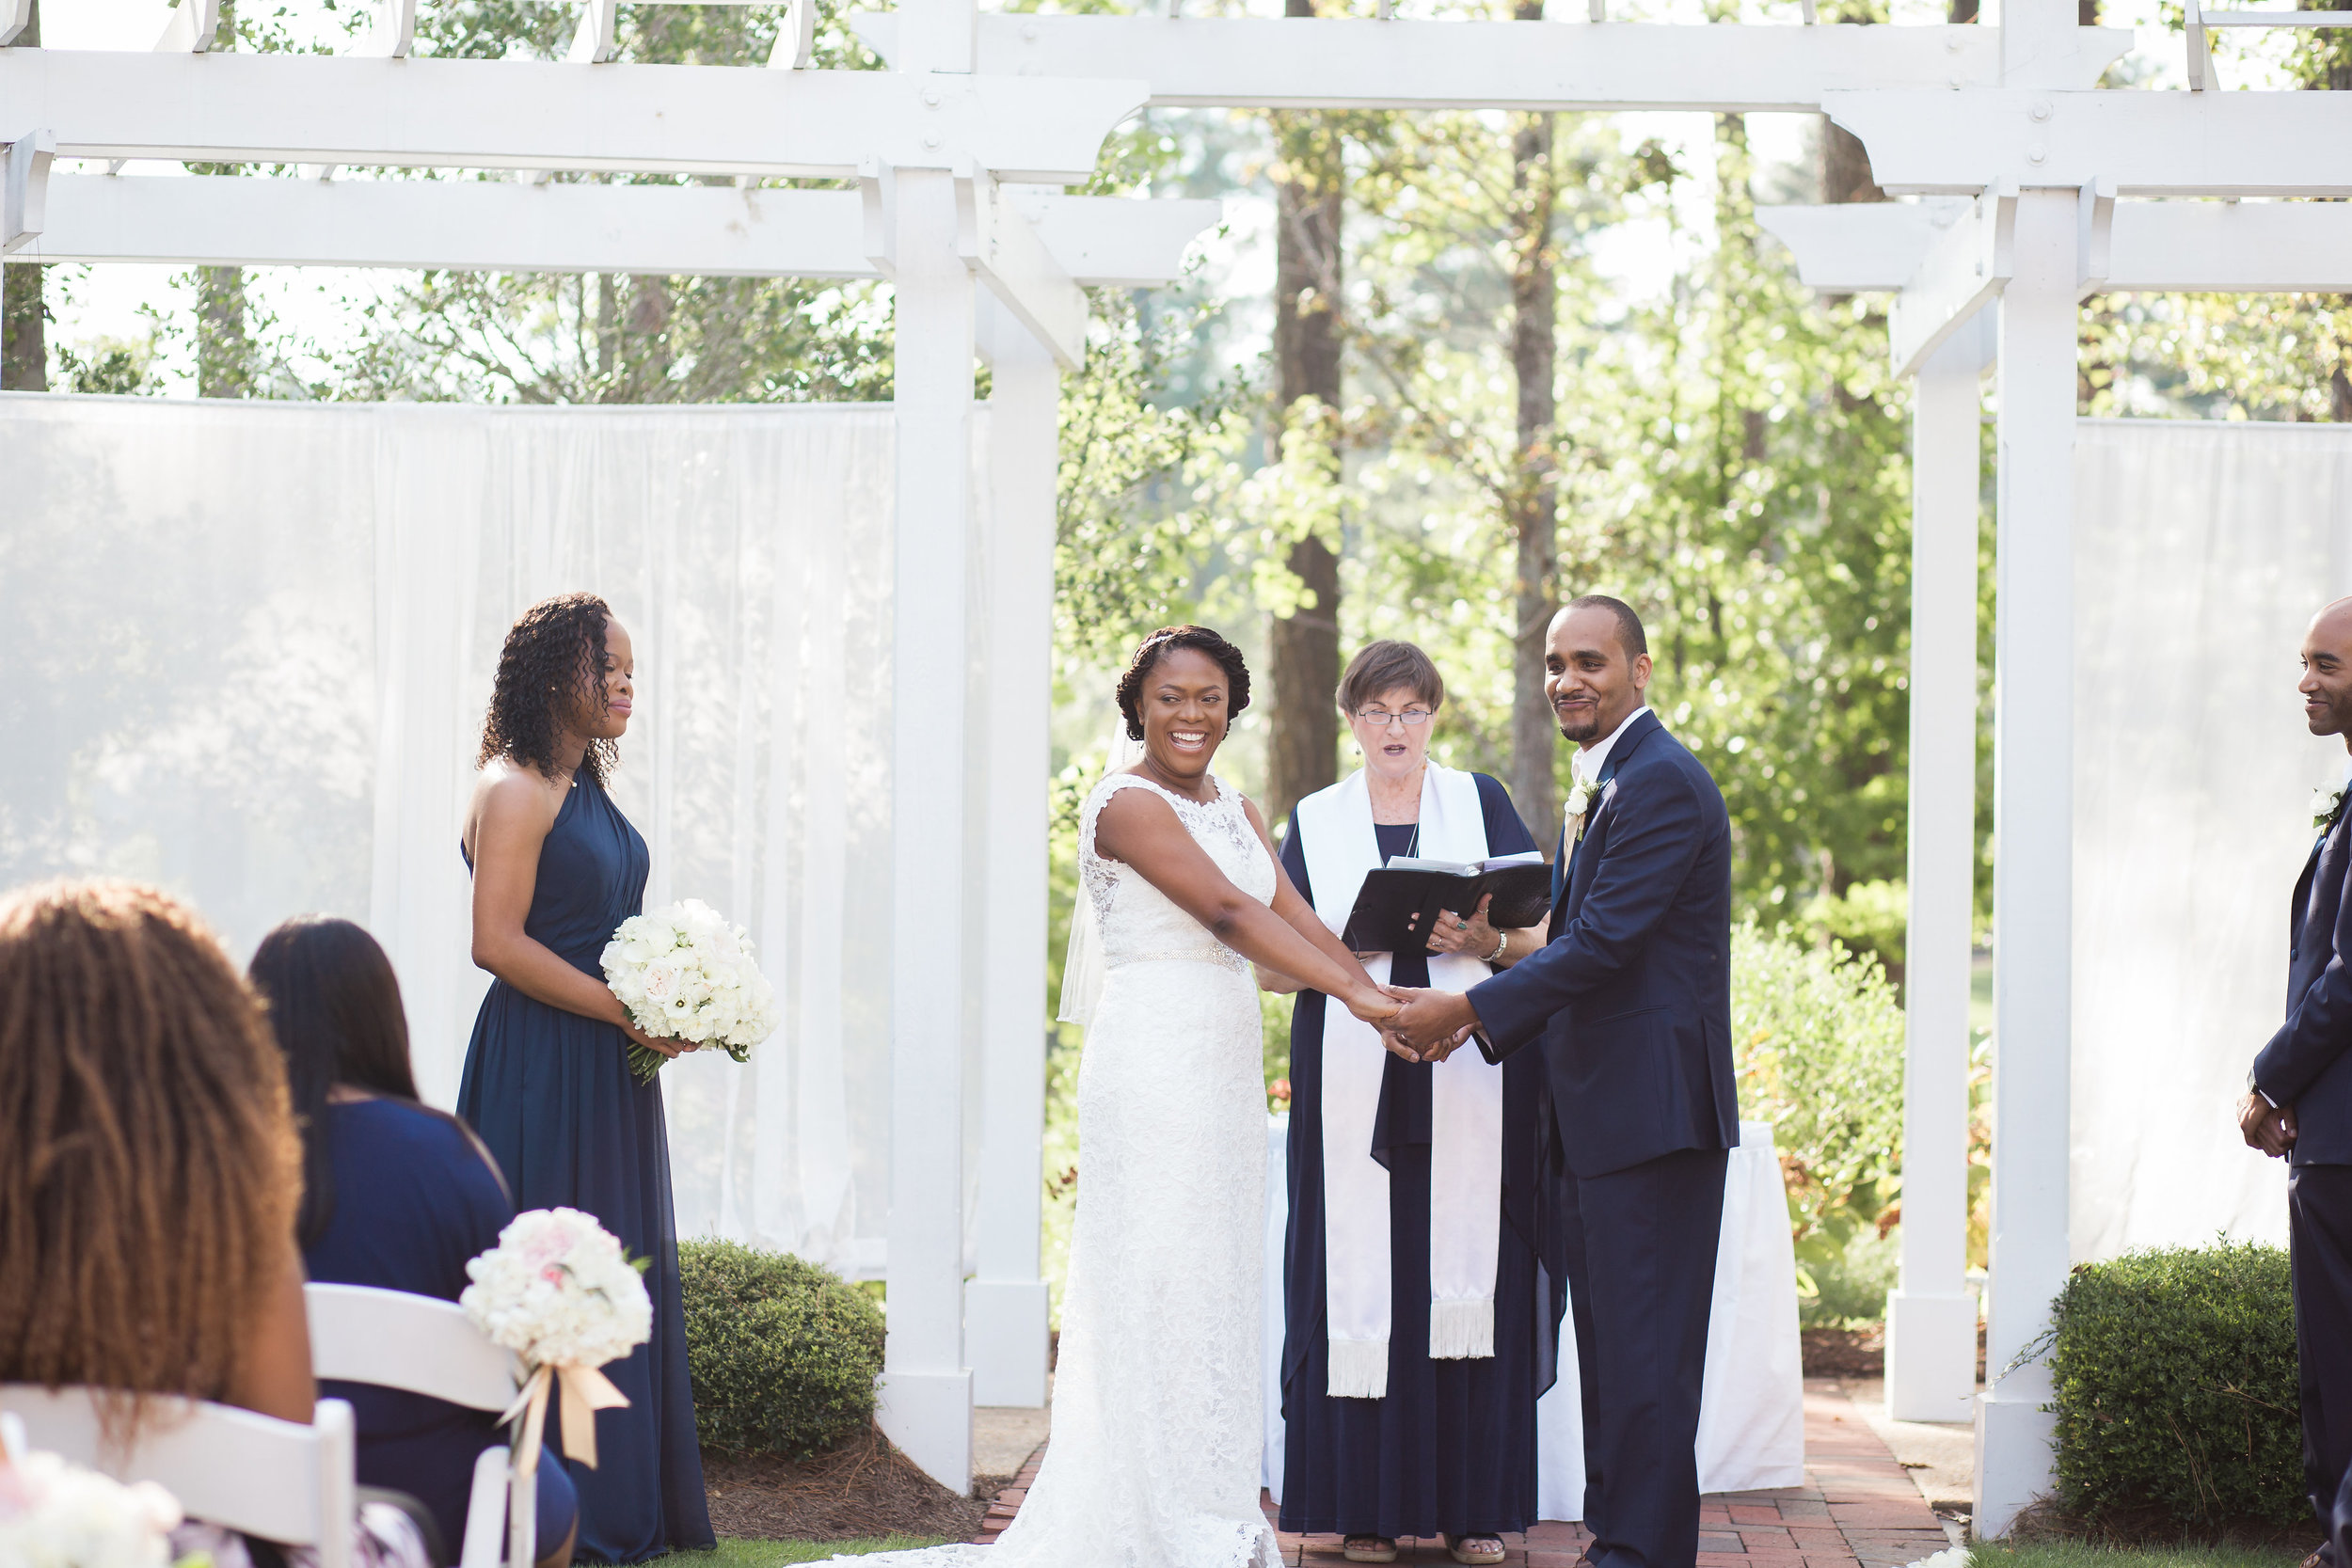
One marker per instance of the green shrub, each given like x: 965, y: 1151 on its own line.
x: 1869, y: 918
x: 1851, y: 1287
x: 783, y: 1353
x: 1819, y: 1041
x: 2176, y: 1391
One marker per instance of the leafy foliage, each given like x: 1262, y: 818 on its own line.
x: 2176, y: 1396
x: 1818, y: 1038
x: 783, y: 1353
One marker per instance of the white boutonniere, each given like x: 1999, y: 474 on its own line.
x: 2326, y: 801
x: 1579, y: 801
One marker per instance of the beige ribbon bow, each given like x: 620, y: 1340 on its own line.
x: 586, y: 1390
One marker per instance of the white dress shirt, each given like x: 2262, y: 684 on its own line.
x: 1587, y: 761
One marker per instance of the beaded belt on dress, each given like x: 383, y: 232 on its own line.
x: 1215, y: 953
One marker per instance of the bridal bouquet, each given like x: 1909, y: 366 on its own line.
x: 560, y: 1293
x: 685, y: 974
x: 54, y: 1514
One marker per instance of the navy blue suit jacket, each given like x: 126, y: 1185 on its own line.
x: 2308, y: 1063
x: 1631, y: 997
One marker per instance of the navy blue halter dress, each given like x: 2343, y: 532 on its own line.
x: 551, y: 1094
x: 1451, y: 1449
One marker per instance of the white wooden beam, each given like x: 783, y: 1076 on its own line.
x: 236, y: 107
x: 925, y: 1396
x: 501, y: 226
x: 1966, y: 268
x: 24, y: 207
x: 2286, y: 144
x: 1861, y: 246
x: 15, y: 16
x: 2138, y: 247
x: 1931, y: 1319
x: 2032, y: 877
x: 191, y: 29
x: 997, y: 243
x: 392, y: 30
x: 1005, y: 1306
x: 1334, y: 63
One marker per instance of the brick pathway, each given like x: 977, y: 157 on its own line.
x: 1858, y: 1509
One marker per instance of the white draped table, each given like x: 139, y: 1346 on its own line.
x: 1751, y: 1414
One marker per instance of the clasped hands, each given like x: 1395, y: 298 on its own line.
x: 1427, y: 1025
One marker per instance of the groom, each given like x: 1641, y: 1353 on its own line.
x: 1631, y: 1001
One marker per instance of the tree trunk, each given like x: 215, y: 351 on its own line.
x: 24, y: 316
x: 1303, y: 649
x: 1533, y: 502
x: 224, y: 355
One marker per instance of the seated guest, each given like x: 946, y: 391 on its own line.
x: 148, y: 1176
x: 395, y: 1195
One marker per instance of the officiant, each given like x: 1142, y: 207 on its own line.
x: 1410, y: 1361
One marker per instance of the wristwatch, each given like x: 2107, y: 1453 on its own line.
x: 1502, y: 939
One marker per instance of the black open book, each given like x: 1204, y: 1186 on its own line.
x: 1396, y: 910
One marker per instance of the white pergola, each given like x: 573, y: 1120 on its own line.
x: 2039, y: 187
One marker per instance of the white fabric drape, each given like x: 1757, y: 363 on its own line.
x: 254, y: 641
x: 2201, y: 551
x: 1752, y: 1406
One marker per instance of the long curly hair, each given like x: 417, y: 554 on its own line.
x: 1166, y: 640
x: 149, y: 1165
x: 551, y: 667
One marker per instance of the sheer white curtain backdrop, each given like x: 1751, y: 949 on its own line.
x: 2201, y: 551
x: 254, y: 641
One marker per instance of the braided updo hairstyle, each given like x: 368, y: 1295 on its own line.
x: 1167, y: 640
x: 551, y: 667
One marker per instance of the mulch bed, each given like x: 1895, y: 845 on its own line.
x: 865, y: 1487
x: 1844, y: 1352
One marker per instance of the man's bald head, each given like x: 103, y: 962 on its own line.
x: 2327, y: 683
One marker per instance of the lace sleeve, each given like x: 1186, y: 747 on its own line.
x: 1097, y: 880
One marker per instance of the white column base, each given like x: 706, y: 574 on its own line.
x: 929, y: 1416
x: 1931, y: 1356
x: 1008, y: 1335
x: 2015, y: 1460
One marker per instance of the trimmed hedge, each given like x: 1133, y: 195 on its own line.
x: 783, y: 1353
x: 2177, y: 1400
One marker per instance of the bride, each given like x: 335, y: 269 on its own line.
x: 1157, y: 1428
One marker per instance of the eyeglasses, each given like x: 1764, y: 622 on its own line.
x: 1381, y: 719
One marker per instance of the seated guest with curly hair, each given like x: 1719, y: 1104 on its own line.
x: 395, y: 1195
x: 148, y: 1177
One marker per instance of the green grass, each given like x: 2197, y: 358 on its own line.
x: 2077, y: 1553
x: 766, y: 1554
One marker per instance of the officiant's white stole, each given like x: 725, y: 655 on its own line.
x: 1465, y: 1133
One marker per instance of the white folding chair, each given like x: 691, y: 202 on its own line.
x: 424, y: 1345
x: 277, y: 1479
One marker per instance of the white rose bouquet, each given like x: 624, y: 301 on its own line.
x: 685, y: 974
x: 54, y: 1514
x: 560, y: 1293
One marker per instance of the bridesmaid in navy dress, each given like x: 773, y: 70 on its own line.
x: 547, y: 1083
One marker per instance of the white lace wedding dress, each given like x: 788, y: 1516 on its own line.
x: 1158, y: 1428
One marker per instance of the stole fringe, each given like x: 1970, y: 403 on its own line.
x: 1360, y: 1368
x: 1461, y: 1330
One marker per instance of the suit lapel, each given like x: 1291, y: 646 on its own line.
x: 1637, y: 730
x: 2307, y: 886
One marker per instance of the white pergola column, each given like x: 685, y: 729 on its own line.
x: 2033, y: 872
x: 1006, y: 1309
x: 926, y: 1393
x: 1930, y: 1319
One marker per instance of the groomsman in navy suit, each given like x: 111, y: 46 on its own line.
x: 2299, y: 1107
x: 1631, y: 1002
